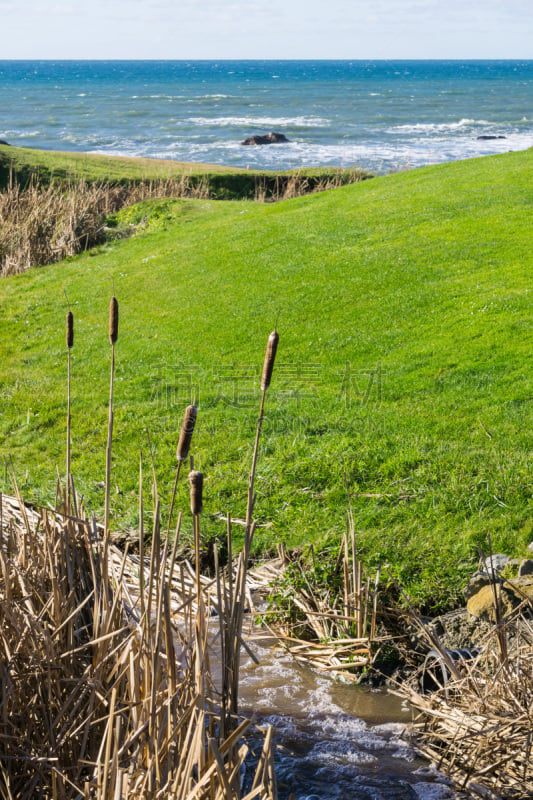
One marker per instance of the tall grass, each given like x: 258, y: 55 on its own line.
x: 44, y: 223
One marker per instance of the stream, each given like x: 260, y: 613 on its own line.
x: 334, y: 741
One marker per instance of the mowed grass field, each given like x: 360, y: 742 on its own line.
x: 405, y: 363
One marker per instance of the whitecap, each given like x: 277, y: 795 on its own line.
x: 299, y: 121
x: 435, y: 127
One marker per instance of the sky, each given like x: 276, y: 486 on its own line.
x: 299, y: 29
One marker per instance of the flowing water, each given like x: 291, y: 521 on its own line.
x: 334, y: 741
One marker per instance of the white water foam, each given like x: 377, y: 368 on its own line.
x: 299, y: 122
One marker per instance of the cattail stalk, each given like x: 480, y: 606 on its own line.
x: 113, y: 336
x: 196, y: 480
x: 70, y: 344
x: 240, y: 587
x: 184, y: 445
x: 268, y: 367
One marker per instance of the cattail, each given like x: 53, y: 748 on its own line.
x: 270, y: 357
x: 187, y: 429
x: 113, y: 320
x: 196, y: 479
x: 70, y: 329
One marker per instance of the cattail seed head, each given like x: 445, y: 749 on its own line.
x: 196, y: 479
x: 113, y: 320
x: 270, y: 357
x: 70, y: 329
x: 187, y: 428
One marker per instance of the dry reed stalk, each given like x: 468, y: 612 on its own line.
x: 477, y: 726
x: 113, y: 336
x: 103, y: 702
x: 196, y: 480
x: 237, y: 591
x: 70, y: 344
x: 268, y: 367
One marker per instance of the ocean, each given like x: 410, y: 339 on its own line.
x: 379, y: 115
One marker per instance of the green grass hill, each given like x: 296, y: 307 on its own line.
x: 405, y: 361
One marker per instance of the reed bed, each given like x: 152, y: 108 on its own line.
x: 326, y: 627
x: 287, y: 187
x: 106, y: 689
x: 478, y: 724
x: 44, y: 223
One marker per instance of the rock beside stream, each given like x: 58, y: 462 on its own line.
x: 466, y: 628
x: 508, y: 579
x: 510, y: 593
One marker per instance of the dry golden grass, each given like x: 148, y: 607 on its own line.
x: 43, y: 224
x: 106, y: 690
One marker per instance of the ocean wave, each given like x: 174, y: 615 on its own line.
x: 438, y: 127
x: 271, y: 122
x: 185, y: 97
x: 18, y: 134
x: 380, y: 155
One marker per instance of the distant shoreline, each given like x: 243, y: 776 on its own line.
x: 385, y: 115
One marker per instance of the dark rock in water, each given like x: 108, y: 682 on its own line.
x: 3, y: 141
x: 269, y: 138
x: 488, y: 136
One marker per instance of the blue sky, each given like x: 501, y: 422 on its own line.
x: 219, y: 29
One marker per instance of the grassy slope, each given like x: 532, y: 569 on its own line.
x: 24, y: 164
x: 51, y: 163
x: 405, y: 360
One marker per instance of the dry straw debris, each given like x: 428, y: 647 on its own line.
x: 106, y: 690
x: 327, y: 630
x: 331, y: 628
x: 478, y: 725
